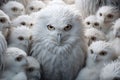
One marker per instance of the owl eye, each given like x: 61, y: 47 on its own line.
x: 116, y: 78
x: 31, y: 8
x: 31, y: 24
x: 14, y: 9
x: 2, y: 20
x: 91, y: 51
x: 88, y: 23
x: 96, y: 24
x: 93, y: 38
x: 103, y: 53
x: 100, y: 14
x: 50, y: 27
x: 110, y: 16
x: 31, y: 69
x: 68, y: 27
x: 21, y: 38
x: 23, y: 23
x: 19, y: 58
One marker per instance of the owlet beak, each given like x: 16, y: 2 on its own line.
x: 59, y: 38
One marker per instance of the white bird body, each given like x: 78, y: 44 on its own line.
x: 56, y: 55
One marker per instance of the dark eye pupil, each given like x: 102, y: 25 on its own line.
x: 68, y: 27
x: 103, y: 53
x: 88, y: 23
x: 30, y: 69
x: 20, y: 38
x: 100, y: 14
x: 23, y: 23
x: 96, y: 24
x: 110, y: 16
x: 14, y: 9
x: 31, y: 8
x: 91, y: 51
x: 93, y: 38
x: 2, y: 20
x: 19, y: 58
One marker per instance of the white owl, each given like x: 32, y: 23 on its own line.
x: 35, y: 6
x: 107, y: 14
x: 3, y: 47
x: 99, y: 53
x: 92, y: 35
x: 13, y: 9
x: 4, y: 23
x: 33, y: 69
x: 93, y: 21
x: 58, y: 42
x: 20, y: 37
x: 15, y: 62
x: 23, y: 20
x: 111, y: 71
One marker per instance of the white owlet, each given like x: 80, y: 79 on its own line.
x: 92, y: 35
x: 20, y: 37
x: 34, y: 6
x: 93, y: 21
x: 15, y: 62
x: 13, y: 9
x: 3, y: 47
x: 107, y: 14
x: 33, y: 69
x: 23, y: 20
x: 4, y: 23
x: 111, y: 71
x: 58, y: 42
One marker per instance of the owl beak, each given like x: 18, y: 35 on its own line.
x: 59, y: 38
x: 94, y: 58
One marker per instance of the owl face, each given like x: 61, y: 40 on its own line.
x: 108, y: 14
x: 33, y: 68
x: 93, y: 35
x: 58, y: 29
x: 101, y: 51
x: 4, y: 20
x: 111, y: 71
x: 23, y: 20
x: 35, y: 6
x: 93, y: 21
x: 20, y: 36
x: 16, y: 57
x: 13, y: 9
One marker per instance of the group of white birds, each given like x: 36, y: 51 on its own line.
x: 60, y: 40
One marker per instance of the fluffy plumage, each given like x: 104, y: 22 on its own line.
x: 107, y: 14
x: 33, y: 69
x: 92, y: 35
x: 23, y: 20
x: 13, y: 9
x: 15, y: 62
x: 111, y: 71
x: 20, y: 37
x: 59, y: 43
x: 34, y: 6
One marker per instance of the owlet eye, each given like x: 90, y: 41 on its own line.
x: 103, y: 53
x: 93, y: 38
x: 19, y: 58
x: 110, y: 16
x: 50, y: 27
x: 31, y: 24
x: 23, y: 23
x: 100, y: 14
x: 96, y: 24
x: 88, y: 23
x: 31, y: 8
x: 68, y: 27
x: 31, y: 69
x: 2, y: 20
x: 21, y: 38
x: 14, y: 9
x: 91, y: 51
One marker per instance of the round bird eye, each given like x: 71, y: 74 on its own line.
x: 110, y: 16
x: 96, y: 24
x: 23, y: 23
x: 14, y: 9
x: 88, y: 23
x: 50, y: 27
x: 100, y: 14
x: 2, y: 20
x: 93, y: 38
x: 91, y: 51
x: 21, y: 38
x: 31, y: 24
x: 31, y: 8
x: 31, y: 69
x: 19, y: 58
x: 68, y: 27
x: 103, y: 53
